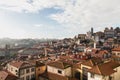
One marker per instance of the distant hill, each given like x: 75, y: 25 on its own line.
x: 24, y: 42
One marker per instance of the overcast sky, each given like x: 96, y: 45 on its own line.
x: 56, y: 18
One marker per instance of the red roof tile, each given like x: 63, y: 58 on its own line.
x: 116, y: 49
x: 105, y: 68
x: 52, y: 76
x: 59, y: 64
x: 4, y: 75
x: 19, y: 64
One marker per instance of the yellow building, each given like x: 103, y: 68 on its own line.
x: 40, y: 69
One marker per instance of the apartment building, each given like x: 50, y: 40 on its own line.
x: 57, y: 70
x: 106, y: 71
x: 109, y: 33
x: 116, y: 54
x: 23, y: 70
x: 116, y: 51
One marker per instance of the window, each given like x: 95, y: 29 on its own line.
x: 110, y: 77
x: 15, y: 70
x: 32, y: 69
x: 22, y: 78
x: 21, y: 72
x: 92, y: 75
x: 27, y: 70
x: 16, y: 73
x: 32, y: 76
x: 118, y: 53
x: 27, y: 77
x: 59, y: 71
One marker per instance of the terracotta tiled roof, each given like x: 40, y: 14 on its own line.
x: 59, y: 64
x: 88, y: 63
x: 20, y: 64
x: 16, y: 63
x: 116, y: 49
x: 103, y: 52
x: 77, y: 66
x: 52, y: 76
x: 92, y: 62
x: 11, y: 76
x: 66, y: 57
x: 4, y: 75
x: 95, y: 70
x: 33, y: 62
x: 99, y: 53
x: 105, y: 68
x: 114, y: 56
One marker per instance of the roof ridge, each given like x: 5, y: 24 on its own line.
x: 62, y: 64
x: 21, y: 64
x: 99, y: 69
x: 91, y: 62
